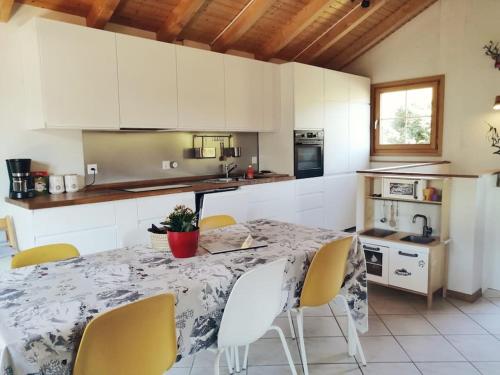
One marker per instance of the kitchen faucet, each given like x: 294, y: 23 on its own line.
x: 228, y: 168
x: 426, y: 231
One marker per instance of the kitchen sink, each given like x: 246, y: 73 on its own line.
x: 418, y: 239
x: 377, y: 232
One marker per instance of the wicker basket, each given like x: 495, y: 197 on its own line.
x: 159, y: 242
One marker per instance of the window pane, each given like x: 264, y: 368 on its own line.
x: 392, y: 104
x: 419, y: 102
x: 392, y: 131
x: 401, y: 130
x: 418, y: 130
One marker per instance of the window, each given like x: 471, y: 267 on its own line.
x: 408, y: 117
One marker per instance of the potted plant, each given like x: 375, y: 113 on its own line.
x: 182, y: 232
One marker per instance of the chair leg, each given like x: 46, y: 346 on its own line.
x: 236, y: 359
x: 229, y: 361
x: 217, y: 360
x: 285, y: 348
x: 289, y: 314
x: 353, y: 342
x: 300, y: 328
x: 245, y: 360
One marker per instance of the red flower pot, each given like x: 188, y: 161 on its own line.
x: 183, y: 244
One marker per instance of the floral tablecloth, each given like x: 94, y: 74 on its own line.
x: 44, y: 309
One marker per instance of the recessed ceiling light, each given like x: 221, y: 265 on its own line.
x: 365, y: 3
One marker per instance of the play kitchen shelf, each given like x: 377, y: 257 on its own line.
x: 394, y: 217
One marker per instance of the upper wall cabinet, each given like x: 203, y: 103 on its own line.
x: 70, y: 76
x: 200, y: 80
x: 308, y: 91
x: 147, y: 81
x: 244, y: 89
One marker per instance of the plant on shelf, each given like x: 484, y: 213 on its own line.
x: 182, y: 231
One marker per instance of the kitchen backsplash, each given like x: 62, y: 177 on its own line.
x: 129, y: 156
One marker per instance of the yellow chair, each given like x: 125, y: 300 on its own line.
x: 216, y: 221
x: 7, y: 226
x: 322, y: 284
x: 137, y: 338
x: 44, y: 254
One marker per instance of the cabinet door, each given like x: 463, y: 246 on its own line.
x: 340, y: 201
x: 244, y: 93
x: 337, y: 86
x: 200, y: 80
x: 409, y: 268
x: 271, y: 97
x: 359, y: 91
x: 359, y: 136
x: 309, y: 96
x: 336, y: 152
x: 79, y: 76
x: 147, y: 81
x: 234, y: 203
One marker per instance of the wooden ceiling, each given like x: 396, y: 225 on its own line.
x: 327, y: 33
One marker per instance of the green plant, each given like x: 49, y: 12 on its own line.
x: 182, y: 219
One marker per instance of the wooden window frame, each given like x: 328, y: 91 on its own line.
x: 432, y: 149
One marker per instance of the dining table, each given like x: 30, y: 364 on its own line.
x: 44, y: 308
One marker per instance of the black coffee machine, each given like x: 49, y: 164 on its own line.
x: 21, y: 181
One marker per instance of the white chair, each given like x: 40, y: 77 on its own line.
x: 253, y: 304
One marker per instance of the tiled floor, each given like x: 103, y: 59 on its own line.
x: 454, y: 337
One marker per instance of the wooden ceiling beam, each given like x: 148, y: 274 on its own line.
x: 337, y: 31
x: 250, y: 14
x: 101, y: 12
x: 293, y: 28
x: 5, y: 9
x: 178, y: 19
x: 409, y: 10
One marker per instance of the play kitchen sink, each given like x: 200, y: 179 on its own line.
x: 417, y: 239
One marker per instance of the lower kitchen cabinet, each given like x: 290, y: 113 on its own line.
x: 340, y: 201
x: 234, y: 203
x: 415, y: 268
x: 274, y: 201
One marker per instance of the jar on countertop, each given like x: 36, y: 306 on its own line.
x: 41, y: 182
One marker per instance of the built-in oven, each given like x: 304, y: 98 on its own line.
x: 308, y: 153
x: 377, y: 262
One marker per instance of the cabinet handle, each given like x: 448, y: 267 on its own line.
x: 407, y: 254
x: 371, y: 248
x: 402, y: 272
x: 415, y: 184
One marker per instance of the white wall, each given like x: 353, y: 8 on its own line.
x: 59, y: 151
x: 447, y: 38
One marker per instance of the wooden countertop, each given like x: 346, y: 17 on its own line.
x: 112, y: 192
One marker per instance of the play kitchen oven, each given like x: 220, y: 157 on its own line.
x: 308, y: 153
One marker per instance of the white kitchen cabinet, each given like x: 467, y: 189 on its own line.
x: 274, y: 201
x: 359, y: 89
x: 310, y: 202
x: 337, y: 143
x: 147, y: 80
x: 271, y: 97
x: 340, y: 201
x: 309, y: 87
x: 200, y: 82
x: 338, y: 86
x: 70, y: 75
x: 233, y: 203
x: 87, y: 242
x: 244, y: 89
x: 359, y: 136
x: 409, y: 267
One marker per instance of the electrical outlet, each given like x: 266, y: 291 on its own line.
x: 254, y: 159
x: 91, y: 168
x: 165, y: 164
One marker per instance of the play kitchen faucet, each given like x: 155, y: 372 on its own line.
x: 426, y: 230
x: 228, y: 168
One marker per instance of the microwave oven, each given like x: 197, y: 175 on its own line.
x: 403, y: 188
